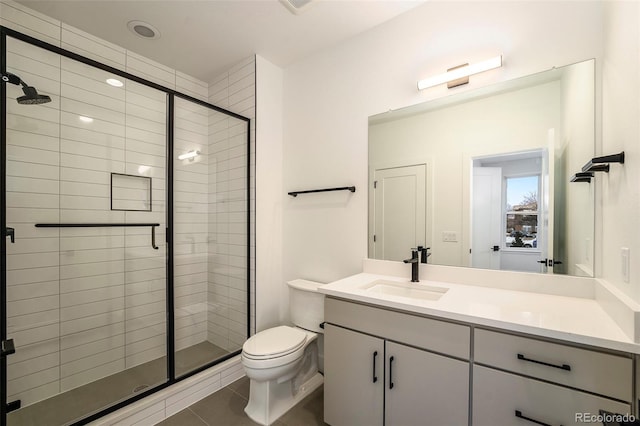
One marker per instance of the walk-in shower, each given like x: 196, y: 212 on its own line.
x: 126, y: 264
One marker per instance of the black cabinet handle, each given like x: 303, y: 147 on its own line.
x: 566, y: 367
x: 375, y: 378
x: 391, y: 373
x: 520, y: 416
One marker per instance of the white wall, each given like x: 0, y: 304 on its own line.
x: 329, y: 96
x: 269, y: 197
x: 621, y: 132
x: 576, y: 146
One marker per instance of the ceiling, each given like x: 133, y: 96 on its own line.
x: 203, y: 38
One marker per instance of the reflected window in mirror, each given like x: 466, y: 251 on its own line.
x: 521, y: 211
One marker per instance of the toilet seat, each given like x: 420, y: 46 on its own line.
x: 274, y: 342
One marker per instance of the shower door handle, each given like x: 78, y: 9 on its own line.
x: 7, y: 348
x: 10, y: 232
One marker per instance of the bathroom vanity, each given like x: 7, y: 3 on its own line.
x: 481, y: 355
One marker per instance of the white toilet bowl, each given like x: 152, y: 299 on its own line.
x: 282, y: 362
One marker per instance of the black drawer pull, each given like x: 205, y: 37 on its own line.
x: 375, y: 378
x: 391, y: 373
x: 566, y: 367
x: 520, y: 416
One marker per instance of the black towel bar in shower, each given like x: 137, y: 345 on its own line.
x: 342, y: 188
x: 103, y: 225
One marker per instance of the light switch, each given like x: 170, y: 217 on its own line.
x: 449, y: 236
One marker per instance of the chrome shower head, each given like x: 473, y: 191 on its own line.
x: 31, y: 95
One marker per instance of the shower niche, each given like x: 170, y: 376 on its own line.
x: 128, y: 268
x: 130, y: 192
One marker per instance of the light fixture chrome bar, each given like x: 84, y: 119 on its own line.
x: 461, y: 72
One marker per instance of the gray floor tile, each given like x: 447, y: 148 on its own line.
x: 183, y: 418
x: 224, y: 407
x: 241, y: 387
x: 308, y: 412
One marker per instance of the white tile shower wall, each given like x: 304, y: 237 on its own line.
x: 85, y: 302
x: 227, y: 316
x: 190, y: 219
x: 33, y: 195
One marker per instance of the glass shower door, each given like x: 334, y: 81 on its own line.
x: 210, y: 217
x: 86, y: 274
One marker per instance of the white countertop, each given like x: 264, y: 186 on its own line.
x: 576, y: 319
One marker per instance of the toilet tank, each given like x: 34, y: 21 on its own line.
x: 306, y: 305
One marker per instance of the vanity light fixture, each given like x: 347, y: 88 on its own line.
x: 115, y: 82
x: 460, y: 72
x: 189, y: 155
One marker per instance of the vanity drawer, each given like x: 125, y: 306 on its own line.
x: 601, y: 373
x: 498, y: 395
x: 433, y: 335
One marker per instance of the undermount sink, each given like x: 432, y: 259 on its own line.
x: 409, y: 290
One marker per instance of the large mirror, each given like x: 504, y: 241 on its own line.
x: 482, y: 177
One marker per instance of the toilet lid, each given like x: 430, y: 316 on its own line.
x: 274, y: 341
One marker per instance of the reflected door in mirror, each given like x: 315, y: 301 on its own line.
x: 487, y: 212
x: 400, y: 211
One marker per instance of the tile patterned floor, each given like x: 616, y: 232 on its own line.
x: 226, y: 408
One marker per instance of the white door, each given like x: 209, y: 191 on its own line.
x: 399, y: 212
x: 486, y: 220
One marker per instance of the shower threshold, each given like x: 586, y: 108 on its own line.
x: 67, y: 407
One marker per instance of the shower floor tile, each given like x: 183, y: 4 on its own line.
x: 79, y: 402
x: 226, y: 407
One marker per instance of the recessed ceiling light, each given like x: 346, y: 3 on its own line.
x: 85, y: 119
x: 115, y: 82
x: 143, y: 29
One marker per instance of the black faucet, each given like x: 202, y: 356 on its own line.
x: 415, y: 265
x: 424, y: 253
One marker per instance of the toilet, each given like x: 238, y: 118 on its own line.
x: 282, y: 362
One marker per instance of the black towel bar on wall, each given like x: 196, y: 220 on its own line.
x: 103, y: 225
x: 597, y: 164
x: 342, y: 188
x: 601, y: 164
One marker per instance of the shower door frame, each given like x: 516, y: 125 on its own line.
x: 170, y: 323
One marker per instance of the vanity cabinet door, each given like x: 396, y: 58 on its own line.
x: 501, y: 398
x: 353, y: 378
x: 422, y: 388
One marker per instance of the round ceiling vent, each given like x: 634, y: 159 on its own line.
x: 143, y: 29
